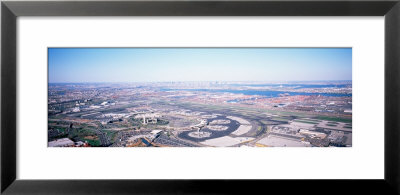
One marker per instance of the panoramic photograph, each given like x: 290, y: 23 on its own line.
x: 199, y: 97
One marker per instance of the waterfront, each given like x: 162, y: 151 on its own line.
x: 264, y: 93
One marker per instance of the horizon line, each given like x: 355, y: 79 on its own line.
x: 195, y: 81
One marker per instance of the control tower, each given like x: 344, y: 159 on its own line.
x: 144, y: 120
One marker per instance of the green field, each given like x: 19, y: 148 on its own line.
x: 331, y: 125
x: 93, y: 142
x: 335, y: 119
x: 306, y: 121
x: 280, y: 119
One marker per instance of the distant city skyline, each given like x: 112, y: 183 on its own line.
x: 101, y: 65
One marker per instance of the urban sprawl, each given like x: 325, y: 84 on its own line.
x: 200, y: 114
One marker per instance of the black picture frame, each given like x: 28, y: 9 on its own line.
x: 11, y: 10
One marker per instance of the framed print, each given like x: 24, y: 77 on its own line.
x: 171, y: 94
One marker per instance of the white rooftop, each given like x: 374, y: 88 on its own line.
x: 61, y: 143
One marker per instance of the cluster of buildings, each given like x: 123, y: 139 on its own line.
x: 307, y: 132
x: 66, y: 142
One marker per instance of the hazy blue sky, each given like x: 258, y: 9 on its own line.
x: 198, y: 64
